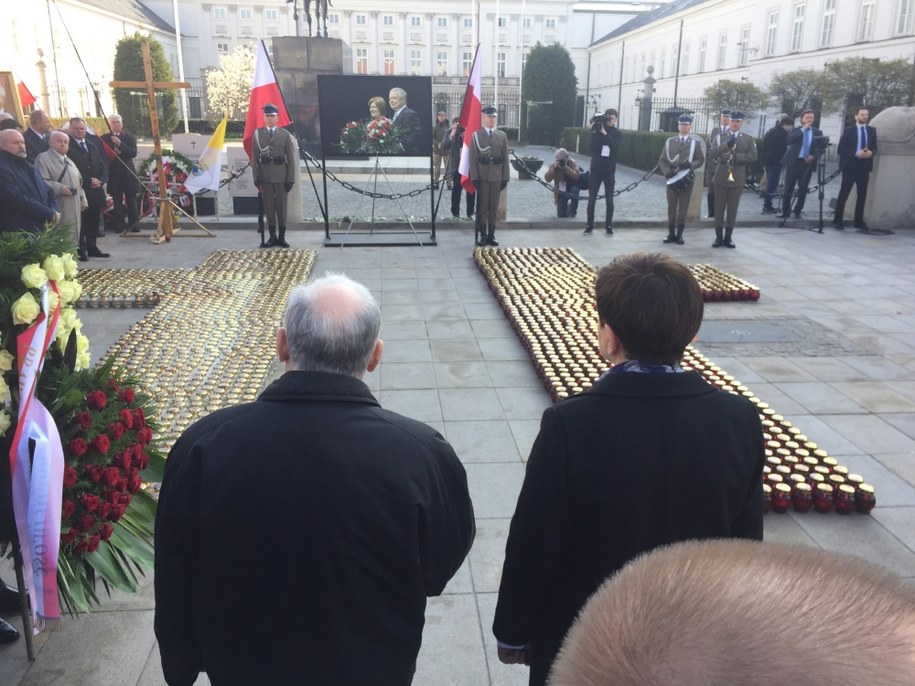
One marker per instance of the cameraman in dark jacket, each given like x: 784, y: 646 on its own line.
x: 605, y: 143
x: 564, y: 174
x: 452, y: 145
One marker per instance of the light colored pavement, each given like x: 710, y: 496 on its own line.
x: 831, y: 345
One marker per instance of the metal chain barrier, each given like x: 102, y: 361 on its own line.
x: 548, y: 185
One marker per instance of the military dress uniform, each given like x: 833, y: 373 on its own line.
x: 733, y: 153
x: 489, y: 172
x: 714, y: 139
x: 680, y: 152
x: 274, y: 156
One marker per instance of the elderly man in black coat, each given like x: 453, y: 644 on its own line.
x: 651, y: 455
x: 123, y: 182
x: 26, y: 201
x: 298, y: 536
x: 86, y: 153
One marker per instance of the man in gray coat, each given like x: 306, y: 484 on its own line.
x: 64, y: 179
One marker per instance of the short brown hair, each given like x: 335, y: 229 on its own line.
x: 653, y: 304
x: 612, y: 113
x: 743, y: 612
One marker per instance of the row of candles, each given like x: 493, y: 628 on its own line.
x: 548, y: 296
x: 122, y: 288
x: 210, y: 345
x: 718, y: 285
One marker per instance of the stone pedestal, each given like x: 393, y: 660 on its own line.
x: 297, y: 62
x: 890, y: 201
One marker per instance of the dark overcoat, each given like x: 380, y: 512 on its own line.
x: 640, y: 461
x: 298, y: 536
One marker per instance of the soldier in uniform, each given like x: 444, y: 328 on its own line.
x: 489, y: 173
x: 274, y: 159
x: 682, y: 152
x: 714, y: 139
x: 733, y: 153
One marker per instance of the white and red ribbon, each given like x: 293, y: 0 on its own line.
x: 37, y: 478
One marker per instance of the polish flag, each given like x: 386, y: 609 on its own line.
x: 471, y: 119
x: 264, y: 89
x: 26, y: 99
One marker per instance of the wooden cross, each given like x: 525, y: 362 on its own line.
x: 165, y: 228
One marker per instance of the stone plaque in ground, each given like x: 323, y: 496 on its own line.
x: 798, y: 336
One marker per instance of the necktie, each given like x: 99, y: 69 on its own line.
x: 862, y: 137
x: 682, y: 141
x: 83, y: 145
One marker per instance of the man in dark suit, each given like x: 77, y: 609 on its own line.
x: 406, y: 120
x: 87, y: 154
x: 856, y: 149
x: 26, y: 201
x: 123, y: 183
x: 734, y: 151
x: 605, y: 150
x: 775, y: 143
x: 651, y: 455
x: 805, y: 146
x: 339, y: 518
x: 37, y: 135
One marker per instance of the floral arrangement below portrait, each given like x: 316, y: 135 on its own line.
x: 105, y: 422
x: 177, y: 168
x: 375, y: 137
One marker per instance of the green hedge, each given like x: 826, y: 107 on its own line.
x: 640, y: 149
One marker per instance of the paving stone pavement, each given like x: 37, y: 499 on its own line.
x: 845, y: 375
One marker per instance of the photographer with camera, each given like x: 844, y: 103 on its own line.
x: 452, y: 145
x: 805, y: 145
x: 564, y: 174
x: 605, y: 144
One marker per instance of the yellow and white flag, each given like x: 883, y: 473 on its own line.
x: 205, y: 174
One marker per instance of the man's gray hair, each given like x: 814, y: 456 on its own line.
x: 332, y: 325
x: 116, y: 117
x: 58, y: 134
x: 75, y: 119
x: 725, y: 612
x: 401, y: 92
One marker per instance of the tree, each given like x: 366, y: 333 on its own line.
x: 742, y: 96
x: 229, y: 86
x: 549, y: 79
x: 795, y: 91
x: 132, y: 104
x: 858, y: 81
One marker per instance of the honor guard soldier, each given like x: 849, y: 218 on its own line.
x: 735, y: 151
x: 489, y: 173
x: 714, y: 139
x: 274, y: 162
x: 681, y: 157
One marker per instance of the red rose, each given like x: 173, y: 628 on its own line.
x: 93, y: 543
x: 112, y: 496
x: 81, y: 546
x: 70, y: 477
x: 144, y: 435
x: 67, y: 509
x: 122, y: 484
x: 126, y: 418
x: 94, y: 472
x: 142, y: 461
x: 96, y: 400
x: 101, y: 443
x: 134, y: 485
x: 84, y: 419
x: 85, y: 522
x: 124, y: 499
x: 117, y: 511
x: 113, y: 385
x: 77, y: 446
x: 139, y: 417
x: 103, y: 510
x: 105, y: 531
x: 127, y: 395
x: 89, y: 501
x: 125, y: 459
x: 69, y: 536
x: 112, y: 475
x: 115, y: 430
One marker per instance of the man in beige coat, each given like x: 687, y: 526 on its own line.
x: 64, y: 179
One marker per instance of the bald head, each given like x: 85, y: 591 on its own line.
x: 12, y: 142
x: 726, y: 612
x: 39, y: 121
x: 331, y: 325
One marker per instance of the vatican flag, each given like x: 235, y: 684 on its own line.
x: 205, y: 174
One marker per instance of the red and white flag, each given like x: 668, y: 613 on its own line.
x: 264, y: 89
x: 26, y: 99
x: 471, y: 119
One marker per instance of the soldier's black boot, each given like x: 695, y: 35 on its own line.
x: 680, y: 234
x: 671, y: 238
x: 718, y: 237
x: 491, y: 236
x: 272, y: 240
x: 479, y: 234
x: 281, y: 241
x: 728, y: 243
x: 711, y: 204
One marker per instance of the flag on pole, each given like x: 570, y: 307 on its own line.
x: 205, y: 174
x: 264, y: 89
x: 26, y: 99
x: 471, y: 119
